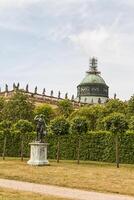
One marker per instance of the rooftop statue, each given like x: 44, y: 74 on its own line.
x: 44, y: 91
x: 35, y: 90
x: 27, y: 88
x: 66, y: 96
x: 59, y: 93
x: 6, y: 88
x: 51, y: 93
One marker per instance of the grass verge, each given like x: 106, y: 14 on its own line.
x: 6, y: 194
x: 95, y: 176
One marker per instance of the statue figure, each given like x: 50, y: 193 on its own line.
x: 6, y: 88
x: 92, y: 101
x: 99, y: 100
x: 44, y: 91
x: 115, y: 96
x: 40, y: 127
x: 59, y: 93
x: 72, y: 97
x: 85, y: 100
x: 51, y: 93
x: 66, y: 96
x: 27, y: 88
x: 35, y: 90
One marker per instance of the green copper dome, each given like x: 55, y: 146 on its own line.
x: 93, y: 88
x: 92, y: 78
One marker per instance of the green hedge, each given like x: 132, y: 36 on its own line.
x: 96, y: 146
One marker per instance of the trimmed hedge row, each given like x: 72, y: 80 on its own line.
x: 95, y: 146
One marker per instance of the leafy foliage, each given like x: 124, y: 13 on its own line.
x: 79, y: 125
x: 2, y: 105
x: 5, y: 126
x: 131, y: 123
x: 91, y: 113
x: 23, y: 126
x: 115, y: 122
x: 65, y: 107
x: 47, y: 111
x: 19, y: 107
x: 116, y: 105
x: 131, y: 106
x: 59, y: 126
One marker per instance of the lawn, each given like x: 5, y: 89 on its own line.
x: 95, y: 176
x: 6, y: 194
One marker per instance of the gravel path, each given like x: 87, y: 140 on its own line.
x: 74, y: 194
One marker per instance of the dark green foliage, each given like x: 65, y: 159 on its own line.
x: 59, y: 126
x: 97, y: 146
x: 115, y: 122
x: 127, y: 147
x: 79, y: 125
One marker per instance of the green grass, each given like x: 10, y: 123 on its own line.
x: 6, y: 194
x: 96, y: 176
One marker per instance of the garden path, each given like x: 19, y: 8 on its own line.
x: 74, y: 194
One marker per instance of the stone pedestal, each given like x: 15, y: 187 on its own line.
x: 38, y: 154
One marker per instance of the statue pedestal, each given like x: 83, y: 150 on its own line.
x: 38, y: 154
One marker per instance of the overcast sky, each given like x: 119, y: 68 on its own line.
x: 48, y: 43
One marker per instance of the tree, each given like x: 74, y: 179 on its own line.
x: 2, y: 105
x: 23, y: 126
x: 130, y: 110
x: 47, y: 111
x: 91, y: 113
x: 19, y: 107
x: 59, y: 126
x: 65, y: 107
x: 116, y: 123
x: 5, y: 126
x: 79, y: 125
x: 116, y: 105
x: 131, y: 123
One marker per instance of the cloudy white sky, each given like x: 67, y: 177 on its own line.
x: 48, y: 43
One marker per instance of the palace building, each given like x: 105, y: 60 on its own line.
x: 92, y: 89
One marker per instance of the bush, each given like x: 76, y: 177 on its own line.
x: 95, y: 146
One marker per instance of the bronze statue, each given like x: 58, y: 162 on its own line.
x: 40, y: 127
